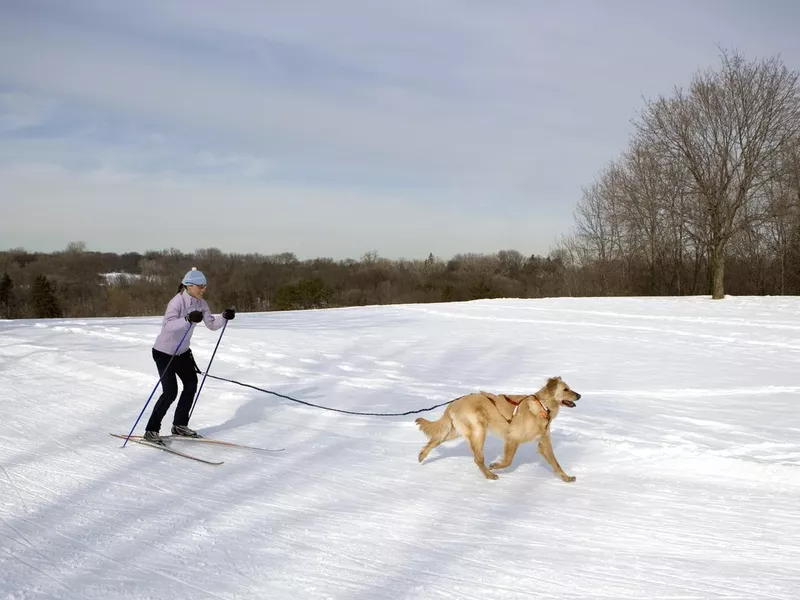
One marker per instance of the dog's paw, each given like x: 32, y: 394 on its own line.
x: 494, y: 465
x: 491, y: 476
x: 568, y: 478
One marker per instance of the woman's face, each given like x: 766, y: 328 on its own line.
x: 196, y: 291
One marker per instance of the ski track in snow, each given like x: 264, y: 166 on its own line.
x: 685, y: 445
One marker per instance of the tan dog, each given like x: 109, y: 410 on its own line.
x: 515, y: 419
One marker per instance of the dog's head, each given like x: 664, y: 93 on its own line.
x: 561, y: 392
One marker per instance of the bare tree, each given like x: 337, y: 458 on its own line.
x: 783, y: 213
x: 726, y: 131
x: 76, y: 247
x: 598, y: 222
x: 648, y: 192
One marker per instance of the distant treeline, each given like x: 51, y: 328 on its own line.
x: 81, y: 283
x: 77, y: 282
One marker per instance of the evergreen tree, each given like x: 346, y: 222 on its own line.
x: 45, y: 304
x: 6, y: 296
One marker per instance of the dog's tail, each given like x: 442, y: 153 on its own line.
x: 438, y: 430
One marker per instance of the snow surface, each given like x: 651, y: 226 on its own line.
x: 685, y: 445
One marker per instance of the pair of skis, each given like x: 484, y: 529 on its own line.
x: 169, y: 438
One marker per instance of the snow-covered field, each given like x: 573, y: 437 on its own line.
x: 685, y: 445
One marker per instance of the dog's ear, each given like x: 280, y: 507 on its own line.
x: 552, y: 384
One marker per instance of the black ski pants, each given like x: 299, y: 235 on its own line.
x: 182, y: 366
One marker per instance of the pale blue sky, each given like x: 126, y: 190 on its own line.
x: 335, y: 128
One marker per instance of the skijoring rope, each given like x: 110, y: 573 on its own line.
x: 339, y: 410
x: 254, y: 387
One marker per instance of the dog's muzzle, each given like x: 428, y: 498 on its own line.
x: 570, y: 403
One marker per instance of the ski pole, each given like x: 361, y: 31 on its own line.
x: 158, y: 383
x: 208, y: 368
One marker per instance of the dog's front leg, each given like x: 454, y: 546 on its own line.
x: 546, y: 450
x: 476, y: 438
x: 509, y: 450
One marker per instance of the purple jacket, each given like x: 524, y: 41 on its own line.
x: 174, y: 324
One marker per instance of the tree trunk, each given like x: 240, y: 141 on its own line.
x: 717, y: 267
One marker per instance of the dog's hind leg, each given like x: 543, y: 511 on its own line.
x: 476, y: 436
x: 438, y: 432
x: 546, y: 450
x: 509, y: 450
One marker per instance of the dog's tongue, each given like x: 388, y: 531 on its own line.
x: 569, y: 403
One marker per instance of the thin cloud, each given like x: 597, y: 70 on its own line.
x: 475, y: 113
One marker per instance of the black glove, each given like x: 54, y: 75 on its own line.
x: 229, y: 314
x: 195, y: 316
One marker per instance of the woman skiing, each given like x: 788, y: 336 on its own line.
x: 185, y: 309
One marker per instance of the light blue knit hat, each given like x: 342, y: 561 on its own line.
x: 194, y: 277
